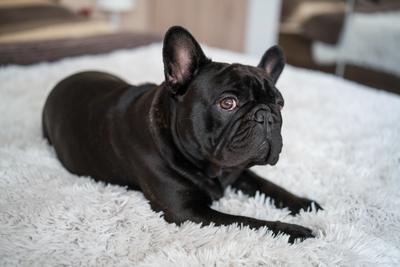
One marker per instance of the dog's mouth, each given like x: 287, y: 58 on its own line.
x: 272, y: 158
x: 242, y: 136
x: 248, y: 144
x: 267, y: 154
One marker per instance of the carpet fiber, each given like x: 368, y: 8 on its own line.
x: 341, y: 148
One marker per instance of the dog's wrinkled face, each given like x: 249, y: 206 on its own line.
x: 227, y: 115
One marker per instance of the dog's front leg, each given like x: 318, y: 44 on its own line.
x: 249, y: 183
x: 205, y: 215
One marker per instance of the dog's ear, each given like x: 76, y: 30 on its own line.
x: 273, y: 62
x: 182, y: 57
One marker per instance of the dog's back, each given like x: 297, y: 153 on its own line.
x: 77, y: 117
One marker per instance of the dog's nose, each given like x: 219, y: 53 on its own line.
x: 260, y: 115
x: 270, y: 118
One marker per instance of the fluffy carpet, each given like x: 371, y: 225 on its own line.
x: 341, y: 148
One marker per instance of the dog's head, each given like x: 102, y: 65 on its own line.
x: 226, y: 115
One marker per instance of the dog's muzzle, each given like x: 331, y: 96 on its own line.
x: 271, y: 132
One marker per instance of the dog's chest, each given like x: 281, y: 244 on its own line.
x: 228, y: 177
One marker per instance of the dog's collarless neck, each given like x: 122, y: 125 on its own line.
x: 161, y: 120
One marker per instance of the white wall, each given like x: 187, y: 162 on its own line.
x: 262, y: 25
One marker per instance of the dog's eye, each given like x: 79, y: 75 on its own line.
x: 228, y: 103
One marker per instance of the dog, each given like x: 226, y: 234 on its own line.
x: 181, y: 142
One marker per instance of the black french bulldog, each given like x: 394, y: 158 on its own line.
x: 182, y: 142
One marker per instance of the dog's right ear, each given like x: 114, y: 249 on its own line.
x: 182, y: 57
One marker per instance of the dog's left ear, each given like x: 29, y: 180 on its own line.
x: 273, y: 62
x: 182, y: 57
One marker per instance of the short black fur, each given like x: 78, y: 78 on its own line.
x: 181, y: 142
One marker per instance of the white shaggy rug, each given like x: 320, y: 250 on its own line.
x: 341, y: 148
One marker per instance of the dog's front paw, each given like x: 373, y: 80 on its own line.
x: 294, y: 231
x: 300, y: 203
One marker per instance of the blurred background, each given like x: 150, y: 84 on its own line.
x: 358, y: 40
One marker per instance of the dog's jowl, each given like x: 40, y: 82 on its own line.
x: 181, y: 142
